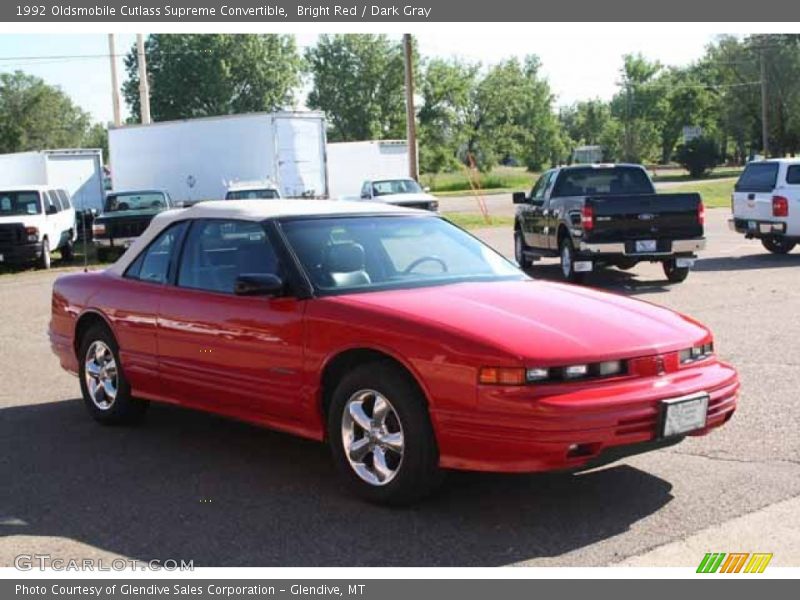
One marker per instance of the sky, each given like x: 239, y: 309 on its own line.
x: 577, y: 67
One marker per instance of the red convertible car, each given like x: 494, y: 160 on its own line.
x: 404, y: 342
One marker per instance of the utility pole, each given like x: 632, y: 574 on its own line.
x: 764, y: 115
x: 628, y: 132
x: 144, y: 87
x: 112, y: 55
x: 411, y: 119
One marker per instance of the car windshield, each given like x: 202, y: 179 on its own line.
x: 135, y: 201
x: 395, y: 186
x: 348, y: 254
x: 265, y: 194
x: 19, y: 203
x: 593, y: 181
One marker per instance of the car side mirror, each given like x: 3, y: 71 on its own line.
x: 258, y: 284
x: 519, y: 198
x: 427, y: 189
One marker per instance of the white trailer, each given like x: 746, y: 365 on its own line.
x: 351, y: 163
x: 79, y: 171
x: 197, y: 159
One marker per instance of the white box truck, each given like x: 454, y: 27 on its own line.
x: 351, y: 163
x: 197, y: 159
x: 78, y: 171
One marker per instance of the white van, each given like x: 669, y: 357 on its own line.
x: 34, y: 221
x: 766, y: 203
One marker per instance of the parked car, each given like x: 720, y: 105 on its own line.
x: 34, y: 221
x: 254, y: 190
x: 404, y: 342
x: 766, y: 204
x: 125, y: 217
x: 593, y: 215
x: 400, y: 192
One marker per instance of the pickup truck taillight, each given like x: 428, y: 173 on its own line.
x: 587, y: 218
x: 780, y: 206
x: 32, y: 234
x: 98, y: 229
x: 701, y: 213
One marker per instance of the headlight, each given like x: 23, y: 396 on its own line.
x: 576, y: 371
x: 610, y: 367
x: 433, y: 206
x: 32, y: 234
x: 690, y: 355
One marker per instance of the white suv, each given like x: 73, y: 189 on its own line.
x: 253, y: 190
x: 34, y: 221
x: 766, y: 203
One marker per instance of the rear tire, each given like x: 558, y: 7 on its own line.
x: 392, y: 459
x: 68, y: 250
x: 106, y: 392
x: 567, y: 253
x: 778, y: 245
x: 519, y: 250
x: 626, y: 264
x: 45, y: 260
x: 674, y: 273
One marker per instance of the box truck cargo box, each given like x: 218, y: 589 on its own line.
x: 350, y: 163
x: 79, y: 171
x: 197, y: 159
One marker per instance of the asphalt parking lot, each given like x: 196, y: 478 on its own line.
x: 197, y: 487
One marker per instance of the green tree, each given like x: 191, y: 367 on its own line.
x: 200, y: 75
x: 37, y: 116
x: 447, y: 91
x: 97, y: 137
x: 698, y: 156
x: 585, y: 122
x: 359, y: 81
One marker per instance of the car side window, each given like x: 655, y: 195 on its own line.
x: 153, y: 263
x: 218, y: 251
x: 365, y: 190
x: 64, y: 197
x: 537, y: 193
x: 53, y: 200
x: 793, y: 175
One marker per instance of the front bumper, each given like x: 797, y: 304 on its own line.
x: 121, y: 243
x: 557, y: 427
x: 622, y: 248
x: 20, y: 253
x: 754, y: 228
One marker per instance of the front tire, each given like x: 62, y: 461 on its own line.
x: 778, y: 245
x: 106, y: 392
x: 45, y: 260
x: 674, y: 273
x: 519, y: 250
x: 381, y: 437
x: 567, y: 253
x: 68, y: 250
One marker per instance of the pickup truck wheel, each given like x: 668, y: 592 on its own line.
x: 777, y: 245
x: 519, y: 250
x: 381, y: 436
x: 567, y: 254
x: 675, y: 274
x: 626, y: 264
x: 106, y: 392
x: 44, y: 261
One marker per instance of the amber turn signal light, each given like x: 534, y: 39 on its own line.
x: 502, y: 376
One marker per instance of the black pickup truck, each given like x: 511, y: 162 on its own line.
x: 595, y: 215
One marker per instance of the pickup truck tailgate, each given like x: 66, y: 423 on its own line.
x: 753, y: 205
x: 645, y: 216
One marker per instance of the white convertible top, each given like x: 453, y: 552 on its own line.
x: 253, y: 211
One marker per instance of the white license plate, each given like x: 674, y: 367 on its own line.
x: 645, y: 245
x: 684, y: 263
x: 684, y: 414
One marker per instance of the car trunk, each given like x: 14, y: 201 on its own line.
x: 660, y: 217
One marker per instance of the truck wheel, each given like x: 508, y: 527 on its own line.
x: 381, y: 435
x: 567, y: 254
x: 777, y: 245
x: 519, y: 250
x: 106, y: 392
x: 44, y: 261
x: 626, y: 264
x: 68, y: 250
x: 674, y: 274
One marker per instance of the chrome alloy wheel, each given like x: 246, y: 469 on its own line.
x: 372, y: 437
x: 566, y: 260
x: 100, y: 372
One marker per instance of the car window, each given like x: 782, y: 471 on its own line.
x: 19, y: 203
x: 758, y: 177
x: 64, y: 197
x: 135, y: 201
x: 793, y: 175
x: 51, y: 201
x: 591, y: 181
x: 153, y: 262
x: 217, y: 251
x: 263, y: 194
x: 538, y: 189
x: 395, y: 186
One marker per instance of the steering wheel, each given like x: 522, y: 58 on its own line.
x: 424, y: 259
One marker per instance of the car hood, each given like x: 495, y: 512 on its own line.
x: 404, y: 198
x: 545, y: 322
